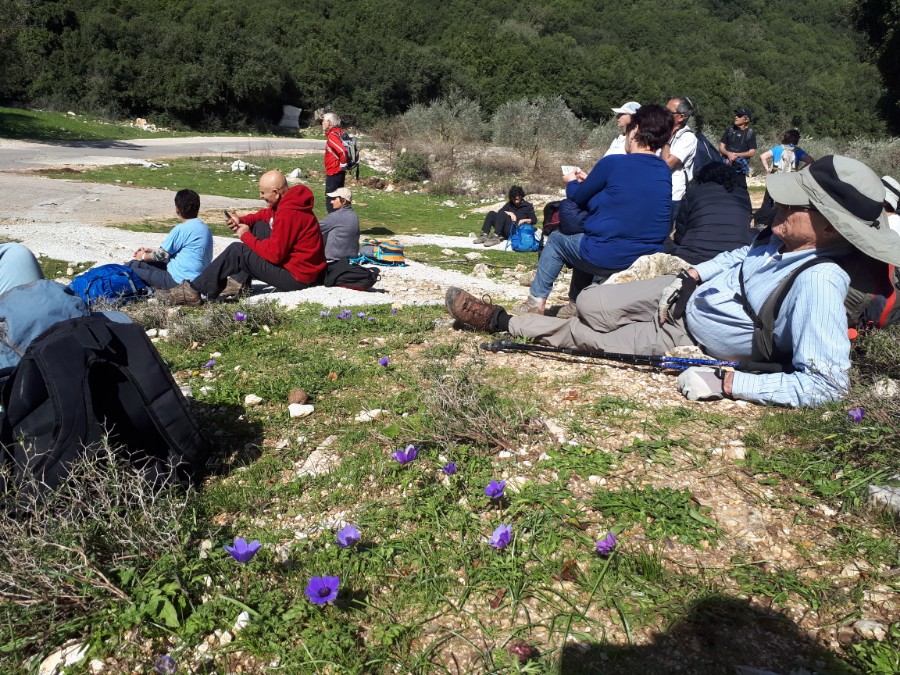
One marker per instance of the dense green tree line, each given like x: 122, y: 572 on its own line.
x: 214, y: 63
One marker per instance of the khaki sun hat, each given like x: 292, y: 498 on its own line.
x: 850, y: 196
x: 342, y: 192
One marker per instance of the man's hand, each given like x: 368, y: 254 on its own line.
x: 139, y: 254
x: 673, y: 300
x: 238, y: 227
x: 702, y: 384
x: 512, y: 216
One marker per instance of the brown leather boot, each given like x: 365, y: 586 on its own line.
x: 183, y: 294
x: 467, y: 309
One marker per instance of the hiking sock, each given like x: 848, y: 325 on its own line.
x: 500, y: 320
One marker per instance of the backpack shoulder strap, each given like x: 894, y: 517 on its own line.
x: 764, y: 356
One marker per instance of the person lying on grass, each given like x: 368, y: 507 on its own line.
x: 831, y: 209
x: 280, y: 245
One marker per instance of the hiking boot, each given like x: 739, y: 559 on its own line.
x: 492, y: 240
x: 182, y: 294
x: 532, y: 305
x: 467, y: 309
x: 480, y: 239
x: 567, y: 311
x: 233, y: 289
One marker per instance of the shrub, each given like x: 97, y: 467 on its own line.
x: 411, y: 167
x: 535, y: 127
x: 445, y: 124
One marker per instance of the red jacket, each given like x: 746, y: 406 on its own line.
x: 335, y: 155
x: 296, y: 241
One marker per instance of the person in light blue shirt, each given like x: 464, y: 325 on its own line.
x: 184, y: 253
x: 831, y: 209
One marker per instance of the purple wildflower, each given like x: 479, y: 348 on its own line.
x: 371, y: 318
x: 241, y: 550
x: 348, y: 536
x: 393, y: 310
x: 361, y: 315
x: 384, y: 361
x: 501, y: 536
x: 494, y: 489
x: 607, y: 545
x: 240, y: 316
x: 856, y: 414
x: 450, y: 468
x: 210, y: 363
x: 322, y: 590
x: 406, y: 456
x: 346, y: 314
x: 324, y: 313
x: 165, y: 665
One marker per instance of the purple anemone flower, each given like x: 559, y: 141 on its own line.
x: 210, y: 363
x: 361, y: 315
x: 384, y: 361
x: 856, y: 414
x: 501, y: 536
x: 165, y: 665
x: 240, y: 316
x: 324, y: 313
x: 322, y: 590
x: 406, y: 456
x: 241, y: 550
x: 494, y: 489
x: 393, y: 310
x: 346, y: 314
x: 607, y: 545
x: 348, y: 536
x: 450, y: 468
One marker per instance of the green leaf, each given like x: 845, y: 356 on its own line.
x: 700, y: 518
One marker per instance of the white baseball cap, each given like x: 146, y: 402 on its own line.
x: 628, y: 108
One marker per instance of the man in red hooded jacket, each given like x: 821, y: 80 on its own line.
x: 280, y: 245
x: 335, y: 156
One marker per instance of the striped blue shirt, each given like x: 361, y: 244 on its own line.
x: 812, y: 323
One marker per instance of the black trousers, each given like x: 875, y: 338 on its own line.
x: 332, y: 183
x: 498, y: 220
x: 241, y: 263
x: 153, y: 273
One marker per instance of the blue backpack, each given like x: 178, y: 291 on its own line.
x: 113, y: 283
x: 522, y: 238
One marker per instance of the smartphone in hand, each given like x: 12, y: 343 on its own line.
x: 227, y: 215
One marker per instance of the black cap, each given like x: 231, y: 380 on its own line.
x: 743, y: 112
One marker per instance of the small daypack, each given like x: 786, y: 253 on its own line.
x: 523, y: 239
x: 706, y: 153
x: 348, y: 274
x: 351, y: 147
x: 788, y: 161
x: 86, y: 381
x: 387, y: 252
x: 114, y: 284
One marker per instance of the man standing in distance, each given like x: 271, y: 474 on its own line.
x: 679, y: 152
x: 280, y: 245
x: 623, y: 119
x: 335, y: 156
x: 738, y: 144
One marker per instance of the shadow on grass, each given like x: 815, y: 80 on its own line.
x: 717, y: 635
x: 231, y: 444
x: 379, y: 231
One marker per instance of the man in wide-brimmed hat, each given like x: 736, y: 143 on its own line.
x: 831, y: 209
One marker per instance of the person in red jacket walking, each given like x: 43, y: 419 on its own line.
x: 280, y: 245
x: 335, y: 156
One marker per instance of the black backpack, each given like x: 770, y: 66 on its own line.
x: 348, y: 274
x: 87, y: 379
x: 706, y: 153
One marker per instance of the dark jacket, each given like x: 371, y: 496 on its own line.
x: 571, y: 217
x: 711, y: 220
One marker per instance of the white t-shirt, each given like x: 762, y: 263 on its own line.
x: 617, y: 147
x: 894, y: 222
x: 684, y: 147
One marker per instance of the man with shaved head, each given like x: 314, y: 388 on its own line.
x: 280, y: 245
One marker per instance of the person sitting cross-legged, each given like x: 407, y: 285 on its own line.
x: 340, y: 228
x: 184, y: 253
x: 280, y: 245
x: 830, y: 211
x: 515, y: 211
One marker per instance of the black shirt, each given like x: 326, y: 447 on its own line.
x: 739, y: 140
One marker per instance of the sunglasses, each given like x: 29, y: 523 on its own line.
x: 791, y: 207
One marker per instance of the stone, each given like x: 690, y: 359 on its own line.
x: 448, y: 252
x: 481, y: 271
x: 66, y: 656
x: 369, y: 415
x: 298, y: 395
x: 205, y: 547
x: 886, y: 388
x: 649, y: 267
x: 317, y: 463
x: 242, y: 621
x: 252, y: 400
x: 299, y: 410
x: 152, y: 332
x: 187, y: 391
x: 885, y: 496
x: 870, y: 630
x: 474, y: 255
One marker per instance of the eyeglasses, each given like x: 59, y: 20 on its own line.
x: 792, y: 207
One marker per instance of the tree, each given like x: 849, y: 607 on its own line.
x: 879, y: 21
x: 537, y: 126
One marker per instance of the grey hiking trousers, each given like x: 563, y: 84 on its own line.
x: 619, y: 318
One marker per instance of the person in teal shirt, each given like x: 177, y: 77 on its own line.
x: 788, y: 151
x: 184, y: 253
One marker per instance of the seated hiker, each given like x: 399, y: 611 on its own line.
x: 18, y: 266
x: 280, y: 245
x: 516, y: 210
x: 830, y: 212
x: 783, y: 158
x: 184, y: 253
x: 623, y: 119
x: 714, y: 217
x: 627, y: 197
x: 891, y: 198
x: 340, y: 228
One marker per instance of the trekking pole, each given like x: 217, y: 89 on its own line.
x: 665, y: 362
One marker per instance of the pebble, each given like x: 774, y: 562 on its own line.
x: 369, y: 415
x: 870, y: 630
x: 503, y: 454
x: 252, y: 399
x: 66, y: 656
x: 474, y: 255
x: 298, y: 395
x: 885, y: 496
x: 300, y: 410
